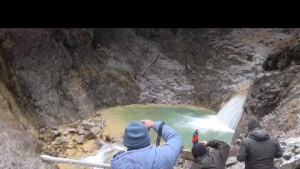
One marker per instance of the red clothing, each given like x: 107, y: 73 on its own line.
x: 195, y: 137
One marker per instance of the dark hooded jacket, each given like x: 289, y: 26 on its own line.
x: 214, y: 159
x: 258, y: 150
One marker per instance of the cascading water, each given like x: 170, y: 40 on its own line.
x: 105, y: 153
x: 230, y: 114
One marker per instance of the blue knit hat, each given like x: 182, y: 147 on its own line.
x: 136, y: 135
x: 199, y: 150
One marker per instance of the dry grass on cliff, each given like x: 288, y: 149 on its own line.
x: 290, y: 39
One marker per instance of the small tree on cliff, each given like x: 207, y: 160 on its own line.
x: 188, y: 47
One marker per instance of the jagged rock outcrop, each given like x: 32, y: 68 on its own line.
x: 274, y: 97
x: 217, y: 63
x: 62, y: 75
x: 18, y: 149
x: 58, y: 76
x: 285, y: 53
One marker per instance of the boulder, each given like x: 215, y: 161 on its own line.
x: 59, y: 140
x: 79, y: 139
x: 95, y: 130
x: 89, y: 135
x: 72, y: 130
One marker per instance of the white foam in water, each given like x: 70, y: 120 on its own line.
x: 105, y: 153
x: 208, y: 123
x: 231, y: 112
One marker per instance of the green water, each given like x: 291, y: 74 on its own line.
x: 184, y: 119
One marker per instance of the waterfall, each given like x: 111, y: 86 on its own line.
x: 105, y: 153
x: 232, y: 111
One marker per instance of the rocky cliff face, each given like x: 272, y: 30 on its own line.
x: 51, y: 77
x: 274, y: 97
x: 58, y: 76
x: 62, y: 75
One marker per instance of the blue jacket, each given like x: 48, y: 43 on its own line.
x: 151, y: 157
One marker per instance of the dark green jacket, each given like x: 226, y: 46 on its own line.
x: 215, y: 159
x: 258, y: 150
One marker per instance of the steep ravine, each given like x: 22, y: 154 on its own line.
x: 59, y: 76
x: 274, y: 98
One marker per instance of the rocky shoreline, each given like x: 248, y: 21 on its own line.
x: 73, y: 140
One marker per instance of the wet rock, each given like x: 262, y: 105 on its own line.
x: 277, y: 162
x: 292, y: 141
x: 108, y: 138
x: 287, y: 156
x: 293, y: 163
x: 296, y: 150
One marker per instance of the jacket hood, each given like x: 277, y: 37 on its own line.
x: 259, y: 135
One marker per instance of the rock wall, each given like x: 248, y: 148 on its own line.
x: 274, y: 96
x: 58, y: 77
x: 61, y: 75
x: 212, y: 64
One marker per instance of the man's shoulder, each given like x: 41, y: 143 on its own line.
x: 245, y: 139
x: 118, y: 153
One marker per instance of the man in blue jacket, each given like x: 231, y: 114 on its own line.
x: 141, y: 154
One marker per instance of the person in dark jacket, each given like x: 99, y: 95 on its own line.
x: 258, y: 149
x: 143, y: 155
x: 205, y: 159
